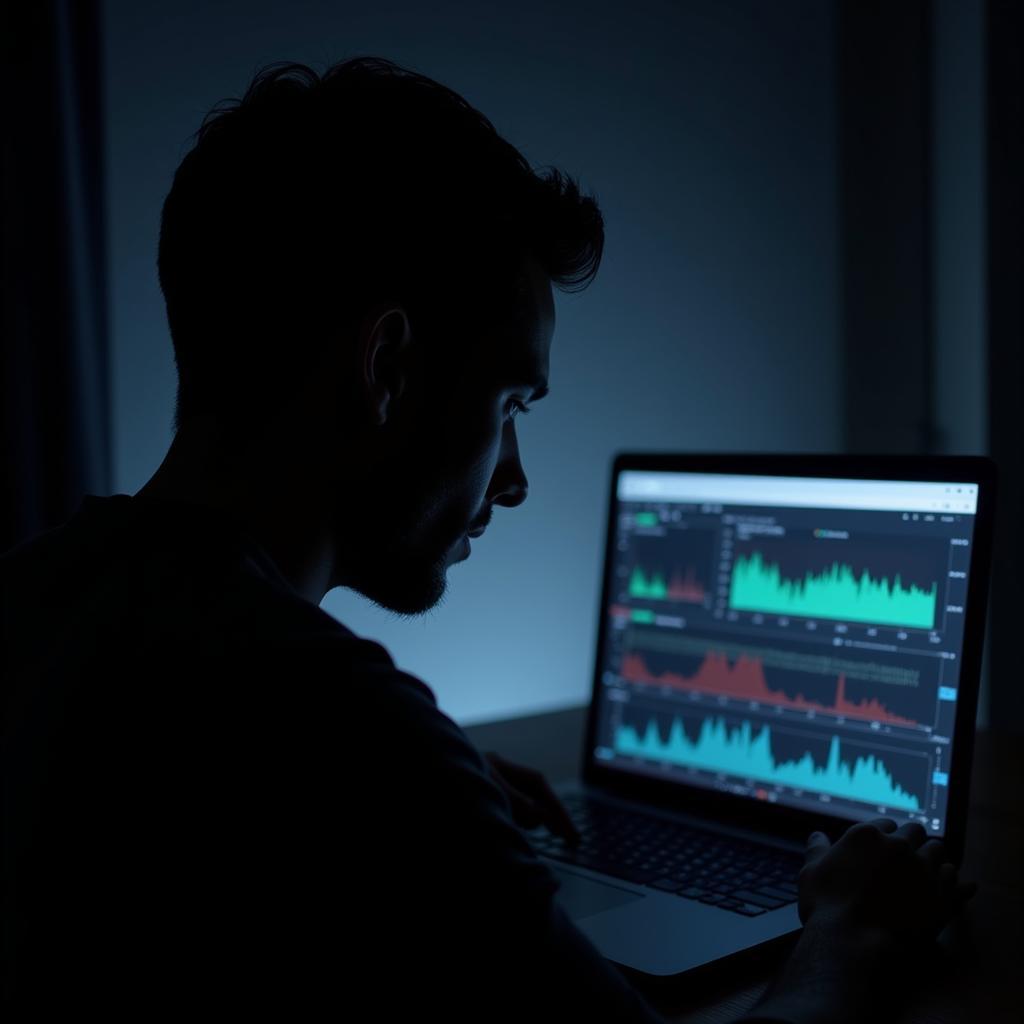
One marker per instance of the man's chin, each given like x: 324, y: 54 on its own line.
x: 410, y: 594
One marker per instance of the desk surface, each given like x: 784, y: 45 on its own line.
x: 979, y: 979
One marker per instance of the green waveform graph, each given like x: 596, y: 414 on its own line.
x: 641, y: 586
x: 738, y: 752
x: 836, y: 593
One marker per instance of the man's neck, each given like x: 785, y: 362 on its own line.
x: 197, y: 470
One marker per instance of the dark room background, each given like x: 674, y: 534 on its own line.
x: 707, y: 132
x: 797, y: 204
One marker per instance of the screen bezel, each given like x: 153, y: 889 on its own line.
x: 782, y: 820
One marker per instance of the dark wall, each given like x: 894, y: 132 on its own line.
x: 706, y: 129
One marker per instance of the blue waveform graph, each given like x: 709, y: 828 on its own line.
x: 738, y: 751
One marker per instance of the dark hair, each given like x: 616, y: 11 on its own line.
x: 316, y: 195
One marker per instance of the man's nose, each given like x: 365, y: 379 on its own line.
x: 509, y: 485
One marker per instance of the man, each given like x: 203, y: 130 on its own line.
x: 216, y: 796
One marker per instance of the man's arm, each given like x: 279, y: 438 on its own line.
x: 295, y: 828
x: 526, y: 959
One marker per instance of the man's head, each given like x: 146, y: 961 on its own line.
x: 358, y: 272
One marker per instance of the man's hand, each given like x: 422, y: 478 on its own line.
x: 533, y: 801
x: 878, y: 876
x: 871, y: 905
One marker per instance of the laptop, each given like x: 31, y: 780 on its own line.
x: 785, y: 644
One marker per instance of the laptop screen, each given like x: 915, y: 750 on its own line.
x: 788, y: 639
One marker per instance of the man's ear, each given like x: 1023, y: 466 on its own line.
x: 385, y: 346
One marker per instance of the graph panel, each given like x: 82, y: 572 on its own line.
x: 749, y: 749
x: 677, y: 566
x: 884, y: 584
x: 898, y: 692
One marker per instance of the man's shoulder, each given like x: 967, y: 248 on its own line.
x: 367, y: 700
x: 281, y: 636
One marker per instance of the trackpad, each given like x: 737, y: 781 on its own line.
x: 583, y: 897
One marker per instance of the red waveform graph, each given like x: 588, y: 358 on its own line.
x: 745, y: 680
x: 686, y: 588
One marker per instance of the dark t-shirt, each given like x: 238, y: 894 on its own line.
x: 218, y: 797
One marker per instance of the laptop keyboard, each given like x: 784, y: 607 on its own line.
x: 745, y: 877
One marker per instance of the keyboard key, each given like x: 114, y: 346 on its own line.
x: 758, y: 900
x: 712, y: 898
x: 693, y: 892
x: 666, y: 884
x: 777, y: 894
x: 747, y: 910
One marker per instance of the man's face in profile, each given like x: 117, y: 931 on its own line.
x: 446, y: 461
